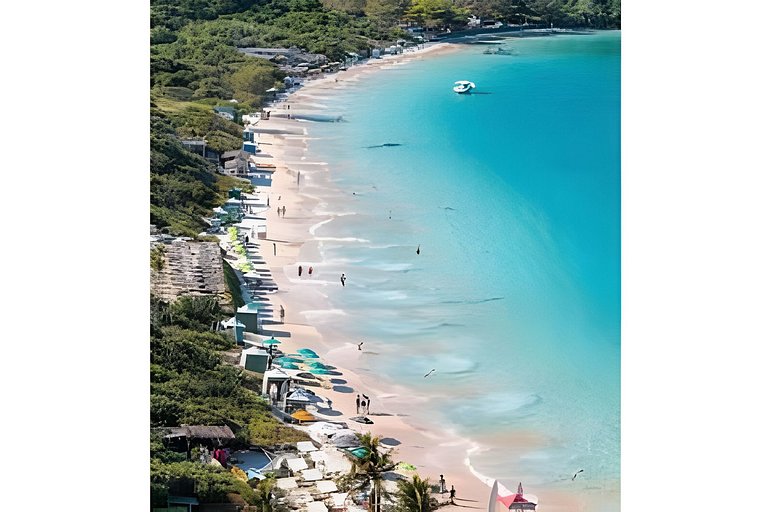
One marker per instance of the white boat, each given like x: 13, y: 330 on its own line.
x: 463, y: 86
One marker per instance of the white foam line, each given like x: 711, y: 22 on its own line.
x: 342, y: 239
x: 314, y: 227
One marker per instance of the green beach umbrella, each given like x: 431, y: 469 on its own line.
x: 309, y: 353
x: 317, y: 364
x: 288, y: 366
x: 318, y: 371
x: 271, y: 341
x: 292, y: 360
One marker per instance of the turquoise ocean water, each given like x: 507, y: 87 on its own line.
x: 513, y: 195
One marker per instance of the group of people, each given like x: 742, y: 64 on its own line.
x: 309, y: 271
x: 443, y: 490
x: 363, y: 405
x: 281, y: 210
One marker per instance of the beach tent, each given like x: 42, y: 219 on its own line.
x: 517, y: 501
x: 300, y: 395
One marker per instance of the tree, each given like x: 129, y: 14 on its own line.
x: 370, y: 469
x: 414, y: 495
x: 435, y: 13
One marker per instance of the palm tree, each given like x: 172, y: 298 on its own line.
x: 371, y: 468
x: 414, y: 495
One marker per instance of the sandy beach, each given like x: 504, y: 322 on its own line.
x: 289, y: 243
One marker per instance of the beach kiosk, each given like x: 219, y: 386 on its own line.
x: 238, y: 329
x: 255, y: 359
x: 275, y: 385
x: 248, y: 315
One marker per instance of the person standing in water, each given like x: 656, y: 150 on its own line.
x: 310, y: 271
x: 418, y: 249
x: 343, y: 280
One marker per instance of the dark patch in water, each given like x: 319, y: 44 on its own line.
x: 476, y: 301
x: 385, y: 145
x: 448, y: 208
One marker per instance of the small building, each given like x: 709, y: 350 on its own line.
x: 183, y: 438
x: 261, y: 176
x: 238, y: 329
x: 248, y: 315
x: 276, y: 385
x: 255, y: 359
x: 196, y: 146
x: 251, y: 148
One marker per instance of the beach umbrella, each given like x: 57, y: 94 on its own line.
x: 318, y: 371
x: 288, y: 366
x: 303, y: 415
x: 287, y: 359
x: 307, y: 352
x: 271, y: 341
x: 317, y: 364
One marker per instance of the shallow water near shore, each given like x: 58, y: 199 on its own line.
x: 512, y: 196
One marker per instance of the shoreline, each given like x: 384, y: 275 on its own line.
x: 433, y: 452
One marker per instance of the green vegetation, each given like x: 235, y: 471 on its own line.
x: 414, y: 496
x: 370, y: 469
x: 233, y: 283
x: 157, y: 258
x: 189, y: 384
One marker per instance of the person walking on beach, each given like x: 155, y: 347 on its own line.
x: 330, y: 405
x: 357, y: 403
x: 282, y: 315
x: 310, y: 271
x: 367, y: 402
x: 283, y: 211
x: 343, y: 280
x: 360, y: 346
x: 300, y: 269
x: 442, y: 484
x: 453, y: 495
x: 274, y: 249
x: 363, y: 404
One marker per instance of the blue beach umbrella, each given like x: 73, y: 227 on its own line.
x: 307, y: 352
x: 288, y: 366
x: 317, y: 364
x: 271, y: 341
x: 318, y: 371
x: 292, y: 360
